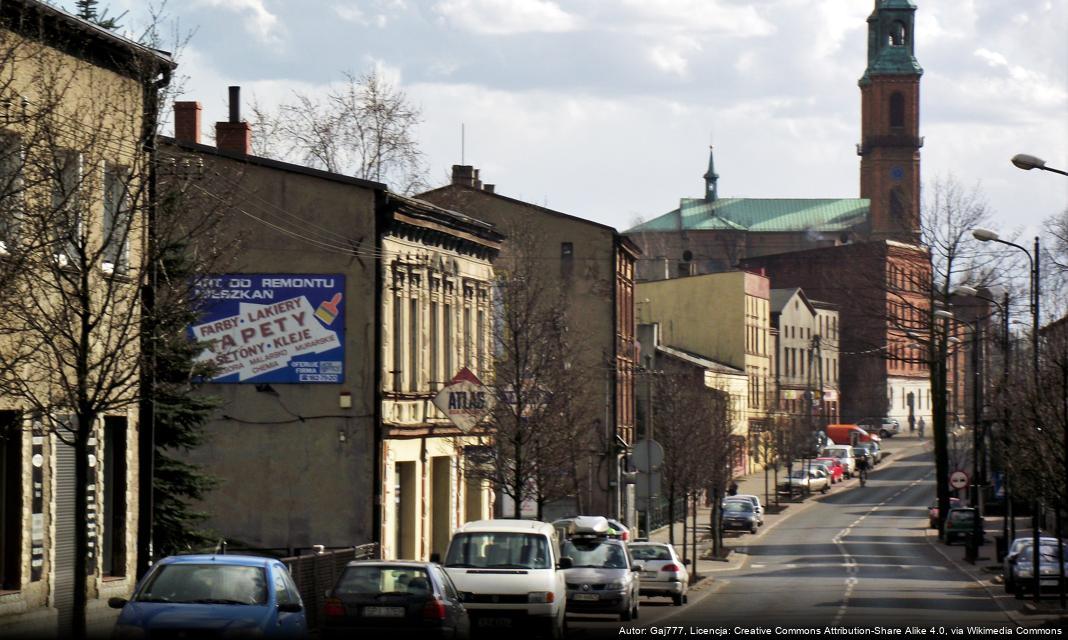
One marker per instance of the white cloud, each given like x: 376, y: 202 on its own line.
x: 502, y: 17
x: 671, y: 57
x: 263, y: 24
x: 697, y: 16
x: 354, y: 14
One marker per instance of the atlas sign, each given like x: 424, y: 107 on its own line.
x: 465, y: 400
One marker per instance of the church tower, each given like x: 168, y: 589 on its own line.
x: 890, y: 123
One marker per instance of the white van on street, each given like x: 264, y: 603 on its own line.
x: 510, y: 574
x: 844, y: 453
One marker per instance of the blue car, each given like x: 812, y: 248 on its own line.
x: 213, y: 596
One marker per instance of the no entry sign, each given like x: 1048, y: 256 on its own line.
x: 958, y: 479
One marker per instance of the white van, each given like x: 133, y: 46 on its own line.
x: 510, y: 574
x: 844, y: 453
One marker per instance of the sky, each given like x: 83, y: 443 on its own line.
x: 606, y: 108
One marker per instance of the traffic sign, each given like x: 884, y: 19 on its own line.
x: 958, y: 479
x: 465, y: 400
x: 648, y: 455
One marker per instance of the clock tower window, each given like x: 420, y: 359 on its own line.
x: 897, y: 110
x: 898, y: 34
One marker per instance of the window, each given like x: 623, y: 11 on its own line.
x: 114, y: 552
x: 191, y: 582
x: 398, y: 344
x: 117, y: 218
x: 10, y: 190
x: 480, y: 341
x: 413, y: 345
x: 435, y: 375
x: 567, y: 260
x: 467, y: 337
x: 898, y: 34
x: 446, y: 332
x: 66, y: 206
x: 499, y: 549
x: 282, y: 593
x: 10, y: 500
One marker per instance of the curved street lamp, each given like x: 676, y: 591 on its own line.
x: 1027, y: 162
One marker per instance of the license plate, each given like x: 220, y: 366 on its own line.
x: 587, y: 597
x: 383, y: 612
x: 648, y: 574
x: 494, y: 622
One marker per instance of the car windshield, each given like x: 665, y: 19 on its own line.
x: 595, y: 554
x: 378, y: 579
x: 649, y: 552
x: 738, y: 507
x: 961, y: 516
x: 206, y: 584
x: 837, y: 453
x: 799, y: 474
x: 499, y: 550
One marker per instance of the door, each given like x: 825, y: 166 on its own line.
x: 63, y: 569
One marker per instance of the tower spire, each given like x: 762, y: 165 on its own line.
x: 711, y: 177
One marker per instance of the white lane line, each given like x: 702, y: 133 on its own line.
x: 849, y: 562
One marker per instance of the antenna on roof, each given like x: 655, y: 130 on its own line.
x: 462, y: 143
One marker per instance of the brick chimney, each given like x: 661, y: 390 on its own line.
x: 234, y: 135
x: 489, y: 188
x: 187, y: 121
x: 464, y: 174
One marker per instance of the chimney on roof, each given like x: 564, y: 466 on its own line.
x: 478, y: 182
x: 488, y: 188
x: 234, y: 135
x: 464, y: 174
x: 187, y: 121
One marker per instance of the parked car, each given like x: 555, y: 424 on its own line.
x: 836, y: 468
x: 932, y: 511
x: 754, y: 500
x: 510, y: 574
x: 844, y: 454
x: 960, y: 522
x: 211, y: 596
x: 601, y: 578
x: 830, y: 468
x: 663, y: 573
x: 740, y: 514
x: 885, y: 427
x: 810, y: 480
x: 1019, y: 564
x: 381, y: 597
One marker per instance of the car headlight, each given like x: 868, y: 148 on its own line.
x: 541, y: 596
x: 614, y: 586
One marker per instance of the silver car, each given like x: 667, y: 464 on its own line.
x: 754, y: 500
x: 601, y: 578
x: 1019, y: 564
x: 663, y: 573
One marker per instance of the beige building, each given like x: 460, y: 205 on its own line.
x: 76, y: 105
x: 806, y: 356
x: 724, y: 318
x: 437, y: 284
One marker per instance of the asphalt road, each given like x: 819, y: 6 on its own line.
x: 858, y: 558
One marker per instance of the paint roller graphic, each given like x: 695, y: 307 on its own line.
x: 327, y: 310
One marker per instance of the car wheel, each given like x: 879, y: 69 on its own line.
x: 825, y: 489
x: 637, y: 608
x: 627, y: 614
x: 677, y: 600
x: 884, y: 434
x: 753, y: 529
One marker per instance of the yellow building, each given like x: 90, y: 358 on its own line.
x: 77, y: 115
x: 724, y: 318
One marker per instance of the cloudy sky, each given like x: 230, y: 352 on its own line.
x: 606, y: 108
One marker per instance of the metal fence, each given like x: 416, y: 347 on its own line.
x: 315, y: 573
x: 648, y: 522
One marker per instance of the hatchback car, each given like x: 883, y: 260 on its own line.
x: 601, y: 578
x: 1019, y: 565
x: 837, y: 471
x: 885, y: 427
x: 213, y: 596
x: 740, y: 514
x: 932, y: 511
x: 663, y: 573
x: 960, y: 523
x: 753, y: 500
x: 394, y: 597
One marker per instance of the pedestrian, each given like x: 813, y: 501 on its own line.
x: 733, y: 490
x: 922, y: 426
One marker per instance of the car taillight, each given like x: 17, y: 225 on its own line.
x: 673, y: 568
x: 434, y: 610
x: 333, y: 608
x: 625, y: 536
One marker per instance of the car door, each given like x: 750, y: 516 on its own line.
x: 289, y: 624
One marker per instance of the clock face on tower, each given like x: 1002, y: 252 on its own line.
x: 897, y: 173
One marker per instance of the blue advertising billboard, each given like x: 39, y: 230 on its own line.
x: 285, y: 328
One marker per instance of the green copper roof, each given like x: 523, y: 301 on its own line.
x: 761, y: 215
x: 893, y: 61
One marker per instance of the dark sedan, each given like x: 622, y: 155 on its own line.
x: 375, y: 598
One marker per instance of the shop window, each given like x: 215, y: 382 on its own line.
x: 114, y: 542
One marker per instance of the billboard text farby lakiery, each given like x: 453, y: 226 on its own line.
x: 259, y: 328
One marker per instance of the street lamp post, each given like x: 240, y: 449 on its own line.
x: 985, y: 235
x: 1027, y: 162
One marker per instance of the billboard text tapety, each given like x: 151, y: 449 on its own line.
x: 260, y: 328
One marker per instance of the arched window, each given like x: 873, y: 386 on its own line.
x: 897, y: 110
x: 897, y: 34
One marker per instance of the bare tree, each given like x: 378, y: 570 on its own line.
x: 364, y: 128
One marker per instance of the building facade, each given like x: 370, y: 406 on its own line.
x: 724, y: 318
x: 77, y: 115
x: 593, y: 268
x: 806, y: 363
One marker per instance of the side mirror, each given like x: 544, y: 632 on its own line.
x: 564, y: 563
x: 290, y: 607
x: 637, y: 566
x: 435, y: 558
x: 117, y: 603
